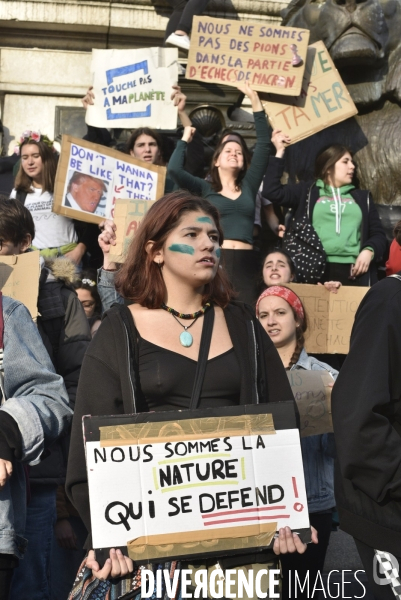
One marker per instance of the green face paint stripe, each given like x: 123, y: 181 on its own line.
x: 218, y: 252
x: 204, y: 220
x: 182, y: 248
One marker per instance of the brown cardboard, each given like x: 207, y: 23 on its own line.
x: 231, y: 52
x: 19, y: 279
x: 101, y: 164
x: 312, y: 393
x: 323, y: 101
x: 184, y: 543
x: 128, y: 215
x: 188, y: 429
x: 330, y: 316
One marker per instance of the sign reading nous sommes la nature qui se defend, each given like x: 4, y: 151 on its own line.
x: 165, y: 486
x: 324, y: 99
x: 91, y: 178
x: 132, y: 88
x: 271, y: 58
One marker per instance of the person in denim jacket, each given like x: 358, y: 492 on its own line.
x: 34, y: 412
x: 281, y: 313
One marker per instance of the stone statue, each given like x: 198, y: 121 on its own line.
x: 364, y: 40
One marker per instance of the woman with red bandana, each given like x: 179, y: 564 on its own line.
x: 282, y: 315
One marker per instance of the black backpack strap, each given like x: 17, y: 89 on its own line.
x: 21, y: 196
x: 207, y: 330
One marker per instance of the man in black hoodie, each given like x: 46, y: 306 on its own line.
x: 367, y: 428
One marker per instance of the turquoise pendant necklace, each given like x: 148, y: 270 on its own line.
x: 186, y: 338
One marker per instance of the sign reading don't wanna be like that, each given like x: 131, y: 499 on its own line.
x: 132, y: 88
x: 271, y: 58
x: 194, y: 486
x: 91, y: 178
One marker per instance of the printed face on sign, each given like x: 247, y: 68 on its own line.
x: 85, y: 192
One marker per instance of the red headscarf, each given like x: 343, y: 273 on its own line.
x: 288, y: 295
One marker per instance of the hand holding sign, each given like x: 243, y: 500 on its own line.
x: 280, y: 141
x: 253, y: 96
x: 117, y: 565
x: 288, y: 542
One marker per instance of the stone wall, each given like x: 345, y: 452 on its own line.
x: 45, y: 55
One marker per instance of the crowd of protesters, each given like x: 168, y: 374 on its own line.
x: 193, y: 263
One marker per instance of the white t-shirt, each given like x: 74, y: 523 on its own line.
x: 51, y: 230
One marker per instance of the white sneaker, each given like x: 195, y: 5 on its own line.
x: 182, y: 41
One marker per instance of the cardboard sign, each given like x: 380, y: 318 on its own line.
x: 132, y: 88
x: 231, y: 52
x: 330, y: 316
x: 323, y: 101
x: 195, y: 485
x: 312, y: 393
x: 90, y: 178
x: 19, y: 279
x: 128, y: 215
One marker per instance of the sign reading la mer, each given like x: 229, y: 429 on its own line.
x: 271, y: 58
x: 132, y: 88
x: 200, y: 485
x: 324, y: 99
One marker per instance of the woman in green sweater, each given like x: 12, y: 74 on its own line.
x: 232, y: 188
x: 345, y: 218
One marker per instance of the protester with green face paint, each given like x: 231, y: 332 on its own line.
x: 145, y: 356
x: 232, y: 186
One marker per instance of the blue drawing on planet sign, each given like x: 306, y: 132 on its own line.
x: 113, y: 74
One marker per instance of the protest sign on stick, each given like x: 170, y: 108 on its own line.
x: 19, y: 279
x: 132, y: 88
x: 214, y: 481
x: 323, y: 101
x: 128, y: 215
x: 312, y: 393
x: 330, y: 316
x: 271, y: 58
x: 90, y: 178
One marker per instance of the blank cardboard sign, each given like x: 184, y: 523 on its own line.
x: 19, y: 279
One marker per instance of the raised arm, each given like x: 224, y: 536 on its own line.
x: 176, y: 170
x: 257, y: 168
x: 290, y: 195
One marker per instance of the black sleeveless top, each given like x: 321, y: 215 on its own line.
x: 167, y: 379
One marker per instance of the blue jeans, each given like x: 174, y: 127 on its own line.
x: 65, y: 563
x: 31, y: 580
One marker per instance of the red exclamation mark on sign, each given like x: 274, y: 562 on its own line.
x: 297, y: 506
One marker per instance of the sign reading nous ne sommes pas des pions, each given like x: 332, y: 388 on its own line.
x: 271, y: 58
x: 186, y: 487
x: 132, y: 88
